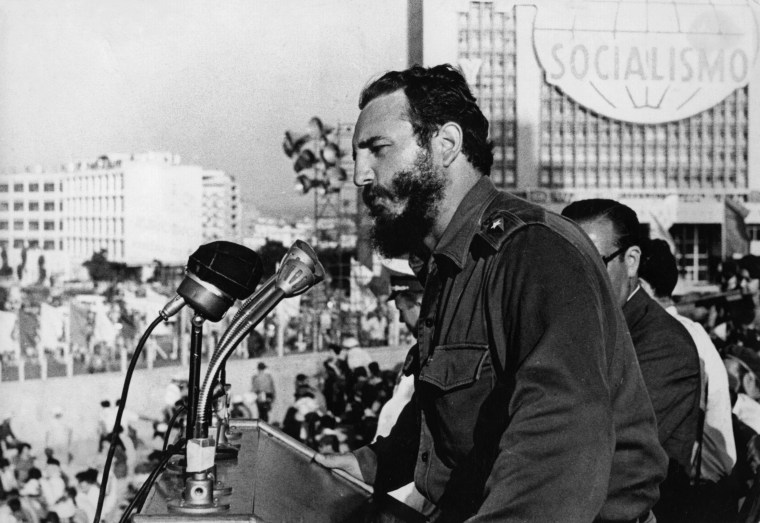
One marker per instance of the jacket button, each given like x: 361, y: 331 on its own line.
x: 429, y: 322
x: 424, y: 457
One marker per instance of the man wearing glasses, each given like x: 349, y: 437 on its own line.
x: 667, y: 355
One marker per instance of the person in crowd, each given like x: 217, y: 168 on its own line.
x: 743, y: 368
x: 88, y: 490
x: 106, y: 419
x: 356, y: 356
x: 23, y: 462
x: 745, y: 419
x: 262, y: 385
x: 22, y: 511
x: 8, y: 482
x: 374, y: 329
x: 59, y: 436
x: 716, y: 453
x: 6, y: 514
x: 666, y: 353
x: 334, y: 386
x: 8, y: 439
x: 129, y: 422
x: 52, y: 485
x: 529, y: 405
x: 406, y: 293
x: 32, y: 486
x: 66, y: 508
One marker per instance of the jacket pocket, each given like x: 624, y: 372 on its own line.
x: 453, y: 366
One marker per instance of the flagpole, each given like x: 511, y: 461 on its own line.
x: 723, y: 245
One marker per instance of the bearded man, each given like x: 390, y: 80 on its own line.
x: 529, y: 404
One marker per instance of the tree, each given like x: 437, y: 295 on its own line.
x: 102, y: 270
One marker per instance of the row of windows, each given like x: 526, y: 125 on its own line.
x: 587, y: 149
x: 102, y: 183
x: 557, y: 130
x: 561, y: 176
x: 488, y: 33
x: 19, y: 205
x: 47, y: 245
x: 32, y: 187
x: 32, y: 225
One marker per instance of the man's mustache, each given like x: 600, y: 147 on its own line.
x: 371, y: 193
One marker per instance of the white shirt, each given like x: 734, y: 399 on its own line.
x: 358, y: 357
x: 393, y: 407
x: 718, y: 448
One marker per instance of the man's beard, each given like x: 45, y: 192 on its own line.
x: 422, y: 188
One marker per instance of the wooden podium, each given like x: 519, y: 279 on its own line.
x: 274, y: 479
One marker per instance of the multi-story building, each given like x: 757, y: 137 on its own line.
x: 139, y: 208
x: 652, y: 104
x: 221, y: 207
x: 267, y: 229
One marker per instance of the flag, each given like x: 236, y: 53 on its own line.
x: 735, y: 237
x: 662, y: 217
x: 52, y: 326
x: 9, y: 338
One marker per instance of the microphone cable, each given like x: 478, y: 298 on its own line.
x: 119, y: 413
x: 180, y: 409
x: 141, y: 495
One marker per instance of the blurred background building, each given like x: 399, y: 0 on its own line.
x: 136, y: 207
x: 648, y: 104
x: 222, y: 213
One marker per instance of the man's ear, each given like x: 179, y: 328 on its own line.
x: 632, y: 260
x: 449, y: 141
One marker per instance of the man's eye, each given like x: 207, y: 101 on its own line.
x: 375, y: 149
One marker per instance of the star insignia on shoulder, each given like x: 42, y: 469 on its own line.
x: 497, y: 225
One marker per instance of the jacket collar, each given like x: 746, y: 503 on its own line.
x: 636, y: 307
x: 454, y: 245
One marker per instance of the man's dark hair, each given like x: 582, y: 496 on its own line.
x: 658, y: 267
x: 437, y: 95
x: 623, y: 218
x: 34, y: 473
x: 14, y: 504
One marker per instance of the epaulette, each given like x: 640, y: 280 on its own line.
x: 498, y: 226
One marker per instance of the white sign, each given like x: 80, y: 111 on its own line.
x: 647, y: 62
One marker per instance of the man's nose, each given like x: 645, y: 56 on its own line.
x: 363, y: 173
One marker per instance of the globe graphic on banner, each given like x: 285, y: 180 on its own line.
x: 647, y: 62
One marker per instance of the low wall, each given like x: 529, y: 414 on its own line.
x: 30, y: 403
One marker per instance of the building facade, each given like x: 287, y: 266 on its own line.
x: 221, y: 207
x: 138, y: 208
x: 654, y: 105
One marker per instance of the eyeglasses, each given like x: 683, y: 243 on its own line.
x: 607, y: 259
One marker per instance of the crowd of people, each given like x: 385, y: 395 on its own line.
x: 44, y: 486
x: 338, y: 408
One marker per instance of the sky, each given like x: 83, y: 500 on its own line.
x: 216, y: 82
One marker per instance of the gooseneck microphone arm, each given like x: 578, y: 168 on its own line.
x: 216, y: 274
x: 299, y: 271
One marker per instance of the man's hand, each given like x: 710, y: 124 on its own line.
x: 346, y: 462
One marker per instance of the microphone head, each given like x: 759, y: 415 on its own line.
x: 299, y: 270
x: 302, y: 251
x: 217, y: 274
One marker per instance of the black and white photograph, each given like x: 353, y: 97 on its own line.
x: 410, y: 261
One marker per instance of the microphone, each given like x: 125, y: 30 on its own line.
x: 299, y: 271
x: 216, y: 275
